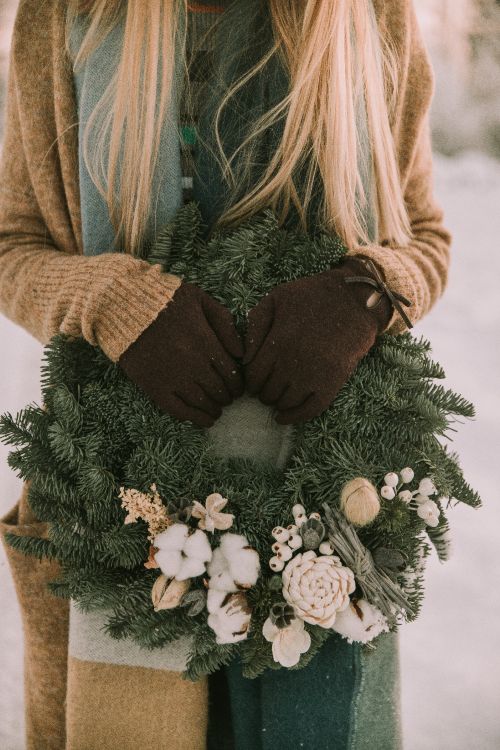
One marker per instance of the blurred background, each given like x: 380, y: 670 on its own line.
x: 451, y: 655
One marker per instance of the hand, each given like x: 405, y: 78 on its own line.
x: 305, y: 338
x: 185, y: 361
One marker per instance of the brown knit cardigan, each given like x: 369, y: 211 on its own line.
x: 47, y: 285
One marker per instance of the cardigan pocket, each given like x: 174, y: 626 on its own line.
x: 45, y: 628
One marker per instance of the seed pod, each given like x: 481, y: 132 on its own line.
x: 168, y: 592
x: 312, y: 533
x: 282, y: 614
x: 359, y: 501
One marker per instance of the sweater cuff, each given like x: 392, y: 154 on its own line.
x: 119, y: 298
x: 397, y: 277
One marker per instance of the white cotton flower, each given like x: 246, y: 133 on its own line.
x: 360, y: 622
x: 426, y: 487
x: 288, y: 643
x: 391, y: 479
x: 230, y: 621
x: 182, y: 555
x: 407, y: 474
x: 387, y: 492
x: 429, y: 512
x: 242, y: 561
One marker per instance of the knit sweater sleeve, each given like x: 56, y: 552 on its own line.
x: 419, y: 269
x: 46, y: 285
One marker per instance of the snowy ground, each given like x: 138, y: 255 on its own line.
x: 451, y: 655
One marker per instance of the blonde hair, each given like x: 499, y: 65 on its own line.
x: 336, y: 61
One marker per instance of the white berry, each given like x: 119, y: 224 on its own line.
x: 387, y: 492
x: 295, y: 541
x: 326, y: 548
x: 298, y: 510
x: 391, y: 479
x: 426, y: 487
x: 280, y: 534
x: 407, y: 474
x: 282, y: 551
x: 315, y: 515
x: 276, y: 564
x: 405, y: 496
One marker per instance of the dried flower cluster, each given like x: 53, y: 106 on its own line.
x: 145, y: 505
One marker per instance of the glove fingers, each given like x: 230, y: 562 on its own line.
x: 259, y: 370
x: 222, y: 323
x: 179, y: 409
x: 227, y: 368
x: 310, y: 407
x: 215, y: 387
x: 198, y: 398
x: 260, y: 321
x: 274, y: 387
x: 293, y: 396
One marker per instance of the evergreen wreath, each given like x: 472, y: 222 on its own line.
x: 170, y: 539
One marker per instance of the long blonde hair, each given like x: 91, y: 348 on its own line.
x: 335, y: 58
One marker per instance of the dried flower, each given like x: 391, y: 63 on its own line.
x: 145, y: 505
x: 289, y: 643
x: 210, y: 514
x: 359, y: 501
x: 317, y: 587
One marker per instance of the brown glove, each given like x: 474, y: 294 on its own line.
x: 305, y: 338
x: 185, y: 361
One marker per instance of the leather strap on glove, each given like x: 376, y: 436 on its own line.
x: 305, y: 338
x: 185, y: 361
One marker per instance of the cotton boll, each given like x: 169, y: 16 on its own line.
x: 215, y: 599
x: 244, y: 567
x: 218, y: 563
x: 232, y: 543
x: 198, y: 546
x: 223, y: 581
x: 170, y: 561
x: 360, y: 622
x: 174, y: 537
x: 191, y: 567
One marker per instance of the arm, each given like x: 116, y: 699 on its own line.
x: 108, y: 299
x: 418, y: 270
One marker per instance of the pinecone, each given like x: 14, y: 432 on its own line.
x: 282, y: 614
x: 312, y: 532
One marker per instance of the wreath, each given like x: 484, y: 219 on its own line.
x: 169, y: 538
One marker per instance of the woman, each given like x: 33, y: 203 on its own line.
x: 317, y: 109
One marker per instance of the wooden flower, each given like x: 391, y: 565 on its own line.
x: 210, y: 514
